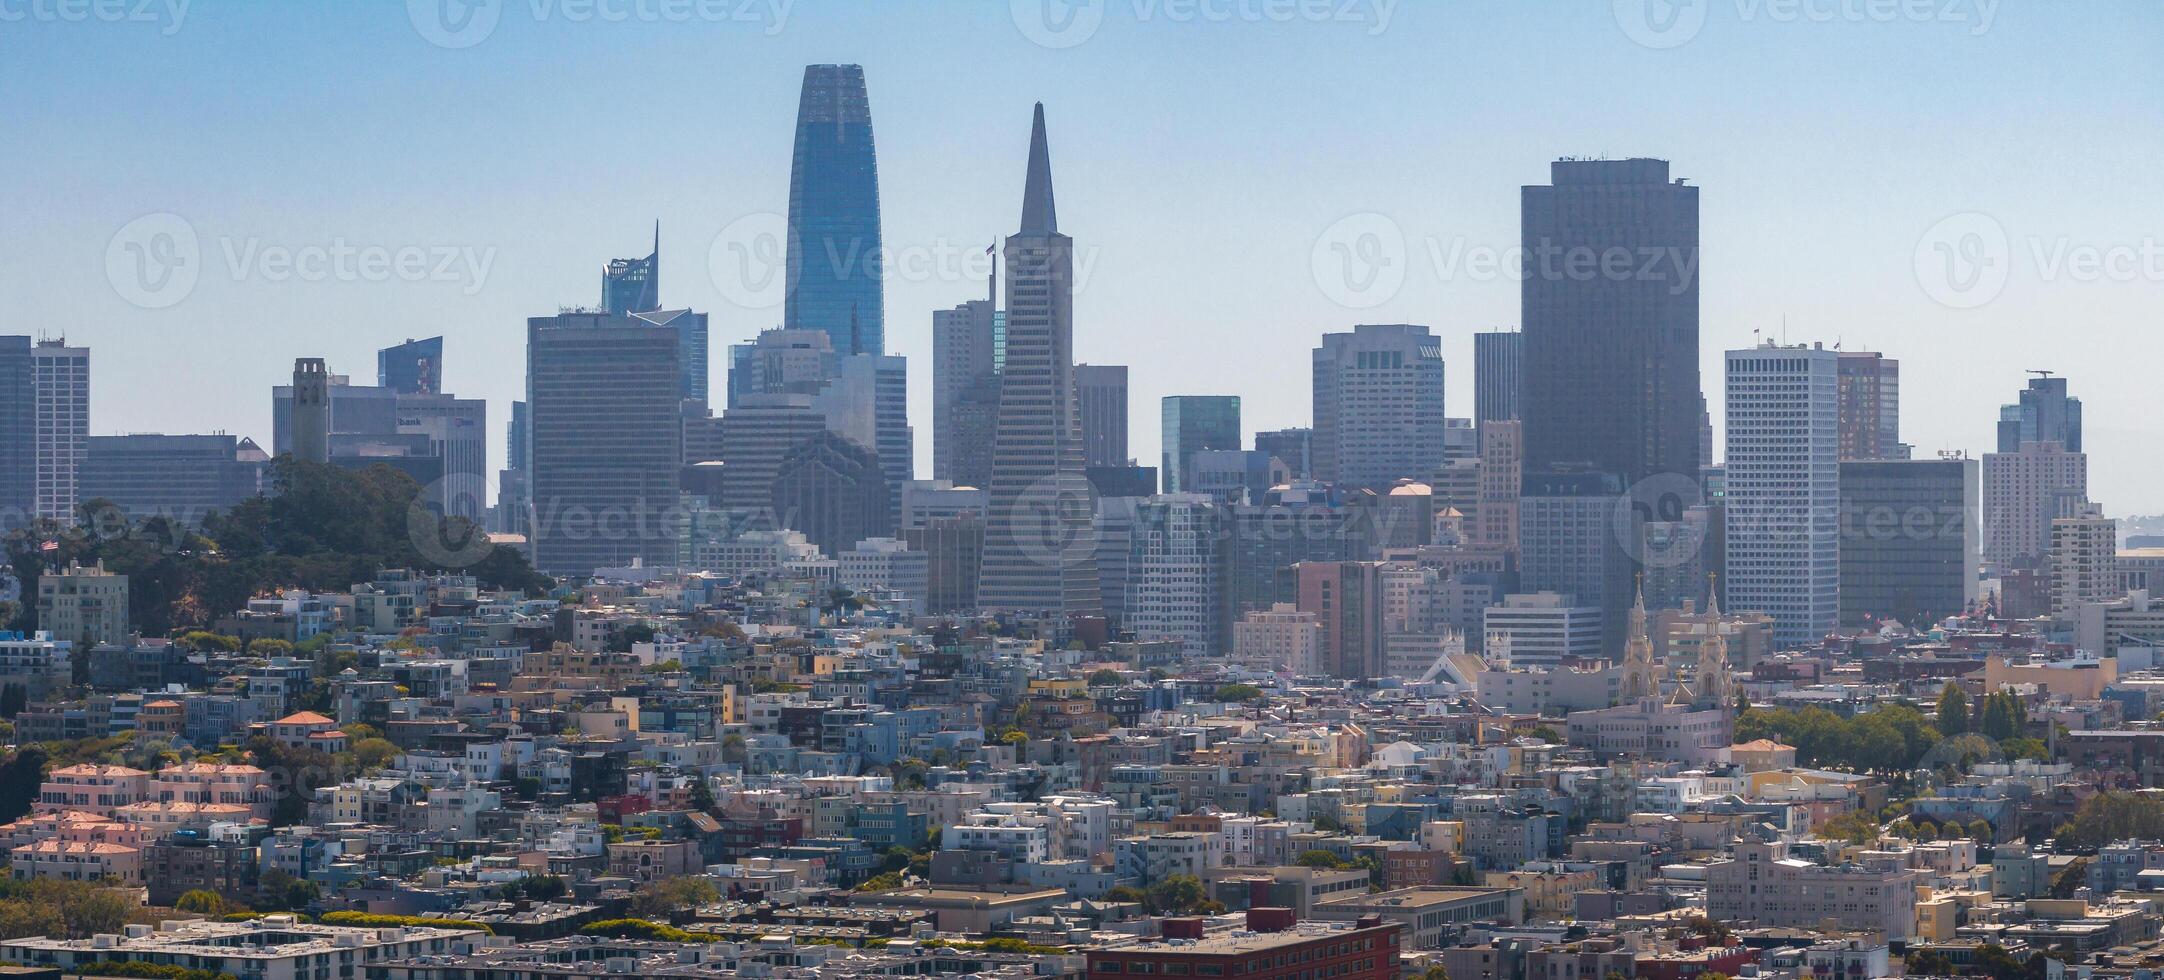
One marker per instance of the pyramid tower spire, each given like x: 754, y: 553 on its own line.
x: 1039, y: 217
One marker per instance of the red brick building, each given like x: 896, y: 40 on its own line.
x: 1366, y: 951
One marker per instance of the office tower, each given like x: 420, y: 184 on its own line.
x: 1498, y: 360
x: 511, y: 488
x: 755, y: 436
x: 954, y: 551
x: 351, y: 410
x: 180, y: 478
x: 834, y: 251
x: 1300, y: 522
x: 1461, y: 439
x: 310, y: 406
x: 1293, y: 447
x: 1101, y: 390
x: 1540, y: 629
x: 456, y: 430
x: 1346, y: 599
x: 1234, y: 475
x: 1121, y: 481
x: 1192, y: 423
x: 2024, y: 491
x: 1569, y: 544
x: 1456, y: 487
x: 1784, y: 481
x: 788, y: 373
x: 2084, y: 561
x: 18, y: 432
x: 1378, y: 400
x: 1112, y: 520
x: 633, y: 285
x: 2043, y: 413
x: 1176, y: 574
x: 831, y: 488
x: 1405, y: 516
x: 604, y: 435
x: 63, y: 420
x: 412, y: 368
x: 1910, y: 541
x: 887, y: 565
x: 1038, y: 555
x: 690, y: 330
x: 966, y: 344
x: 1610, y: 376
x: 930, y: 500
x: 1495, y: 520
x: 1870, y: 407
x: 1680, y: 558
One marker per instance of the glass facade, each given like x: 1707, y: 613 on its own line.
x: 412, y: 368
x: 834, y: 250
x: 1193, y: 423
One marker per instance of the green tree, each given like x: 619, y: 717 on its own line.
x: 1177, y: 895
x: 200, y: 901
x: 659, y: 898
x: 1980, y: 831
x: 885, y: 881
x: 2107, y: 817
x: 1318, y: 858
x: 1106, y: 677
x: 22, y: 776
x: 1238, y: 692
x: 2000, y: 720
x: 1953, y: 710
x: 13, y: 699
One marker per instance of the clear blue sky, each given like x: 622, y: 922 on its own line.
x: 1198, y: 159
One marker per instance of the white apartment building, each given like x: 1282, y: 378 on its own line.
x: 62, y: 383
x: 1761, y: 882
x: 1539, y: 629
x: 1280, y: 638
x: 1784, y: 487
x: 1174, y: 573
x: 2084, y: 561
x: 885, y: 563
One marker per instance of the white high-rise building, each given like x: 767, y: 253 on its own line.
x: 1175, y: 573
x: 1378, y: 405
x: 1784, y: 487
x: 1539, y: 629
x: 886, y: 563
x: 62, y: 378
x: 2084, y: 561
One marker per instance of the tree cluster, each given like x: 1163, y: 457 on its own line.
x: 320, y: 528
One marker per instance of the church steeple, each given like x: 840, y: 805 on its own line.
x: 1716, y: 682
x: 1641, y: 676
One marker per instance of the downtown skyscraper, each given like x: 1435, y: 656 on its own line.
x: 1784, y: 488
x: 1610, y: 307
x: 1039, y: 552
x: 835, y: 282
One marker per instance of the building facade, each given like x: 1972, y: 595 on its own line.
x: 1378, y: 405
x: 1783, y: 488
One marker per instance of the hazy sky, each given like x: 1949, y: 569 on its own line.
x: 482, y: 163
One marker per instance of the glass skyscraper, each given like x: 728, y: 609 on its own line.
x: 633, y: 285
x: 1193, y: 423
x: 834, y: 277
x: 412, y: 368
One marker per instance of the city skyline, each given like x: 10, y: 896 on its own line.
x: 1118, y: 173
